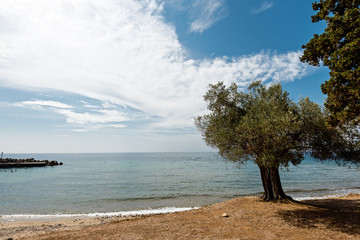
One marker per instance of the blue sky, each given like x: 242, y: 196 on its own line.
x: 129, y: 76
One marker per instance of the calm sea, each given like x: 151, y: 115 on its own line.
x: 115, y: 183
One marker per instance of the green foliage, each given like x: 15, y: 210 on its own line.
x: 264, y: 125
x: 341, y: 143
x: 218, y: 126
x: 338, y: 48
x: 269, y: 126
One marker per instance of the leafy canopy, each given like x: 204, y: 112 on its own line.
x: 339, y: 49
x: 265, y: 126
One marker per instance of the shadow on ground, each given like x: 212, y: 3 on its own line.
x: 334, y: 214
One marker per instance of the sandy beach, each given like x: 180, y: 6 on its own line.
x: 247, y: 218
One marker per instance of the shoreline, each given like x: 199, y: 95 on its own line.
x: 321, y: 213
x: 141, y: 212
x: 51, y: 217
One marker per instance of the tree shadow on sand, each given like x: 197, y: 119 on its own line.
x: 334, y: 214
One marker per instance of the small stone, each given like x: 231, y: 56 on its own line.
x: 225, y: 215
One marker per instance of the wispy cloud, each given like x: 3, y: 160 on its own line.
x: 205, y: 13
x: 40, y: 104
x: 202, y: 14
x: 264, y: 6
x: 82, y: 121
x: 123, y: 53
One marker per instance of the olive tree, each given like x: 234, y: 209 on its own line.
x: 263, y: 125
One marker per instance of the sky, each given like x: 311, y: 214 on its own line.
x: 130, y: 75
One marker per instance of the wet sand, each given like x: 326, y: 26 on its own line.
x: 247, y: 218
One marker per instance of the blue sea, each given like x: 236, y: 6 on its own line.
x: 140, y: 183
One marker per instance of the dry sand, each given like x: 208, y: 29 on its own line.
x: 248, y: 218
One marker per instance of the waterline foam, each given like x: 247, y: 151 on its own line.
x: 337, y: 194
x: 19, y: 217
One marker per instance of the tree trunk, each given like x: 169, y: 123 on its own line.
x: 276, y: 184
x: 266, y: 182
x: 271, y: 182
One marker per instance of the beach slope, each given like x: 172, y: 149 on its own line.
x: 247, y: 218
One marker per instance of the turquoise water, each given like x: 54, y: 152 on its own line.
x: 120, y: 182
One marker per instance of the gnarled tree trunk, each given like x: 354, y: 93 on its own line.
x: 271, y: 182
x: 266, y: 182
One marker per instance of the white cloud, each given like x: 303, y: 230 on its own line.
x: 205, y: 13
x: 100, y: 116
x: 39, y: 104
x: 264, y: 6
x: 202, y: 14
x: 123, y: 53
x: 83, y: 121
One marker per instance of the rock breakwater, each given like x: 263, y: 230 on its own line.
x: 29, y: 162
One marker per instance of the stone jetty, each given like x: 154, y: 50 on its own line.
x: 29, y: 162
